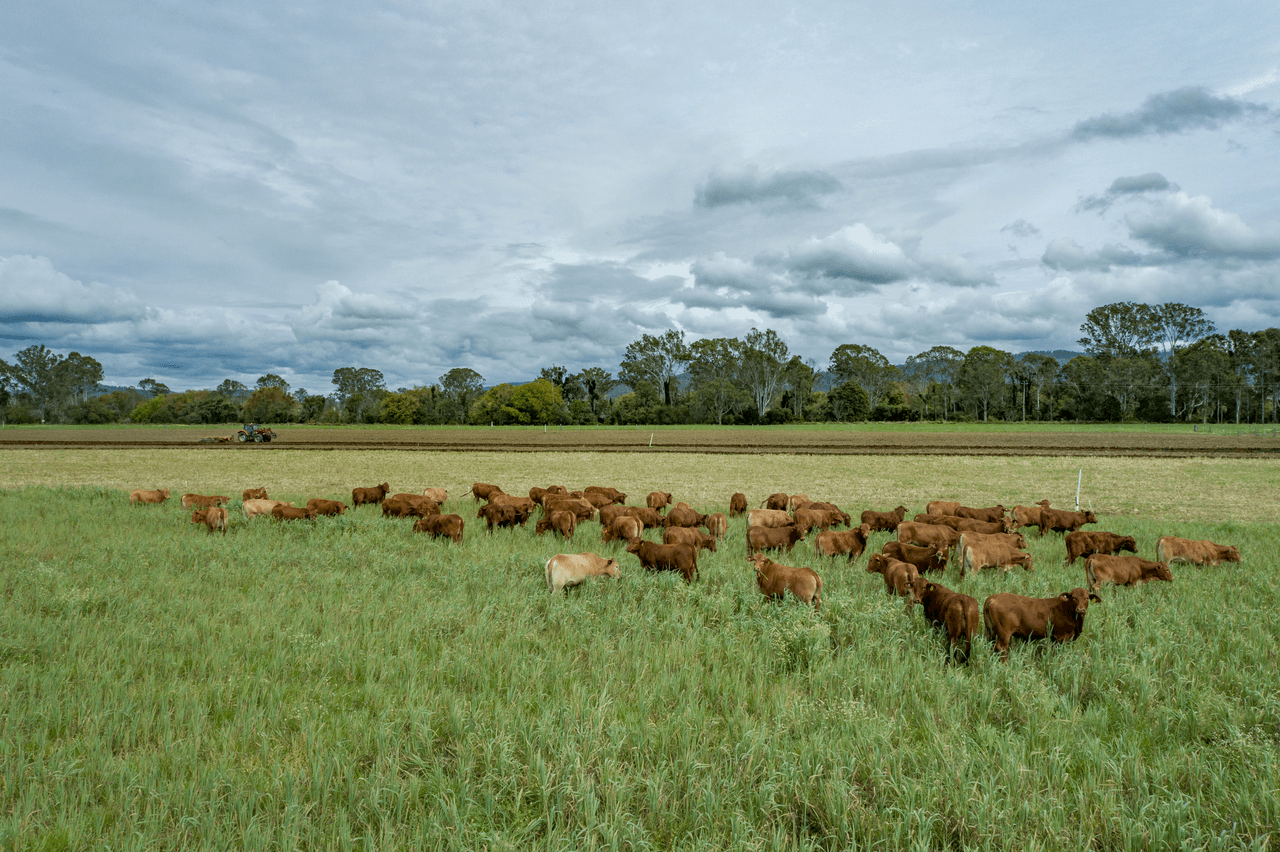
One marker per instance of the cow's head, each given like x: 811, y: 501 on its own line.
x: 1090, y: 517
x: 1162, y: 572
x: 919, y: 585
x: 1080, y: 599
x: 1128, y: 543
x: 1232, y: 554
x: 611, y: 568
x: 876, y: 563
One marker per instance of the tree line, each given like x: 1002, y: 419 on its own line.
x: 1150, y: 363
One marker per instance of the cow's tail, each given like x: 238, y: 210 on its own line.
x: 964, y: 561
x: 1090, y: 575
x: 1160, y: 557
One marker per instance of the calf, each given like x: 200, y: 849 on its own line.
x: 658, y: 500
x: 772, y: 538
x: 884, y: 521
x: 1063, y: 521
x: 1171, y: 549
x: 139, y: 495
x: 213, y: 517
x: 898, y: 576
x: 833, y: 543
x: 200, y: 501
x: 376, y: 494
x: 441, y: 526
x: 253, y: 494
x: 1085, y: 542
x: 327, y: 507
x: 1102, y: 568
x: 690, y: 536
x: 682, y: 558
x: 1061, y: 619
x: 955, y: 612
x: 282, y: 512
x: 924, y: 558
x: 569, y: 569
x: 775, y: 580
x: 993, y: 554
x: 625, y: 528
x: 737, y: 504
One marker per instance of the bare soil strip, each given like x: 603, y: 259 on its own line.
x: 964, y: 441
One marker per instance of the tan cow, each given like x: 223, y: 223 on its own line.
x: 144, y: 497
x: 569, y: 569
x: 768, y: 518
x: 252, y: 508
x: 775, y: 580
x: 213, y: 517
x: 436, y: 495
x: 1172, y: 549
x: 993, y: 554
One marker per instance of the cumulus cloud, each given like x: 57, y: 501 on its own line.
x: 1189, y: 108
x: 749, y: 186
x: 1187, y: 226
x: 1152, y: 182
x: 854, y: 252
x: 1020, y: 228
x: 1066, y: 254
x: 32, y: 290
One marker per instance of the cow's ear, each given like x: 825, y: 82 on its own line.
x: 1066, y: 596
x: 931, y: 587
x: 1093, y: 597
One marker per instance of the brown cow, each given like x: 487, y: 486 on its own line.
x: 737, y: 504
x: 562, y: 522
x: 689, y: 535
x: 684, y: 516
x: 775, y: 580
x: 898, y: 575
x: 1102, y: 568
x: 409, y: 506
x: 658, y: 500
x: 484, y: 491
x: 768, y: 518
x: 580, y: 508
x: 884, y: 521
x: 1061, y: 619
x: 615, y: 496
x: 682, y: 558
x: 924, y: 558
x: 282, y: 512
x: 326, y: 507
x: 955, y: 612
x: 608, y: 514
x: 139, y: 495
x: 1172, y: 549
x: 993, y: 554
x: 625, y: 528
x: 991, y: 514
x: 942, y: 507
x: 807, y: 519
x: 441, y: 526
x: 436, y: 495
x: 503, y: 515
x: 777, y: 502
x: 1084, y: 542
x: 1029, y: 516
x: 598, y: 499
x: 376, y: 494
x: 772, y: 538
x: 840, y: 515
x: 253, y: 494
x: 943, y: 538
x: 1059, y: 520
x: 200, y: 501
x: 797, y: 501
x: 649, y: 517
x: 1017, y: 539
x: 833, y: 543
x: 213, y: 517
x: 569, y: 569
x: 716, y: 524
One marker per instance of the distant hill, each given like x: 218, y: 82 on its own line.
x: 1063, y: 355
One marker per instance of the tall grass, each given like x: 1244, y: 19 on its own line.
x: 351, y: 684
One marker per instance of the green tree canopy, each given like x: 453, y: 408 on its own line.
x: 657, y: 360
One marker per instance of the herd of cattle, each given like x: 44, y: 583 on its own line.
x: 970, y: 539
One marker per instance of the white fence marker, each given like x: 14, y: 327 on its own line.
x: 1079, y: 479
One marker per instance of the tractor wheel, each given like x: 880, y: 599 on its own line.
x: 257, y: 438
x: 241, y: 437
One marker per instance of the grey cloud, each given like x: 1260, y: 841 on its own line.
x: 1020, y: 228
x: 1192, y: 227
x: 853, y: 252
x: 1066, y: 254
x: 1189, y: 108
x: 31, y: 290
x: 748, y: 186
x: 1151, y: 182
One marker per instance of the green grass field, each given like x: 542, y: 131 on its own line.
x: 351, y: 684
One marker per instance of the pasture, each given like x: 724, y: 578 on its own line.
x: 351, y: 684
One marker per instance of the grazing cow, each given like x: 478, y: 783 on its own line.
x: 538, y: 494
x: 1172, y: 549
x: 570, y: 569
x: 598, y: 499
x: 658, y: 500
x: 579, y: 507
x: 1102, y: 568
x: 625, y: 528
x: 1029, y: 516
x: 483, y: 491
x: 952, y: 521
x: 1085, y: 542
x: 776, y: 501
x: 1059, y: 520
x: 376, y: 494
x: 608, y: 514
x: 253, y: 494
x: 833, y: 543
x: 327, y: 507
x: 200, y: 501
x: 562, y: 522
x: 772, y: 538
x: 682, y: 558
x: 993, y: 554
x: 716, y: 524
x: 924, y: 558
x: 955, y: 612
x: 884, y: 521
x: 139, y: 495
x: 648, y: 517
x: 409, y: 506
x: 502, y: 515
x: 1004, y: 525
x: 898, y: 575
x: 839, y: 515
x: 615, y: 496
x: 1061, y: 619
x: 775, y: 580
x: 213, y: 517
x: 990, y: 514
x: 436, y: 495
x: 768, y: 518
x: 797, y: 501
x: 942, y: 507
x: 807, y: 519
x: 261, y: 507
x: 282, y: 512
x: 441, y: 526
x: 684, y: 516
x: 943, y: 538
x: 689, y: 535
x: 737, y: 504
x: 1017, y: 539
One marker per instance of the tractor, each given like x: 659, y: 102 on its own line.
x: 257, y: 434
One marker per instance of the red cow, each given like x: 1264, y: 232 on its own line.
x: 1061, y: 619
x: 376, y: 494
x: 737, y: 504
x: 681, y: 558
x: 955, y: 612
x: 441, y: 526
x: 775, y: 580
x: 772, y: 538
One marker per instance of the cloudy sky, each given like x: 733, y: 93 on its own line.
x: 194, y: 192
